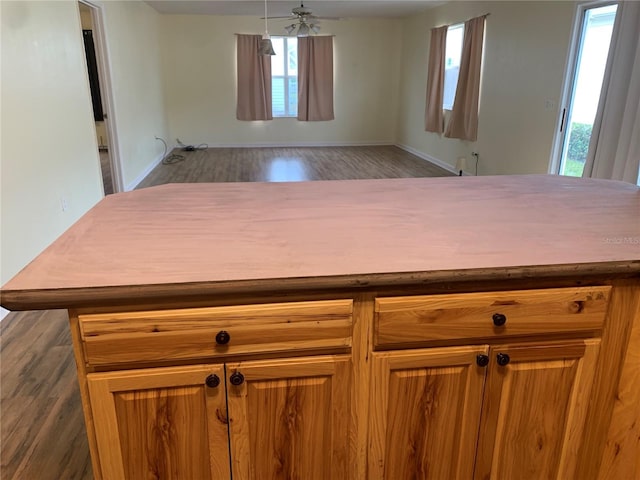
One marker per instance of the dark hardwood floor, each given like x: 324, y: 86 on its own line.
x: 42, y: 428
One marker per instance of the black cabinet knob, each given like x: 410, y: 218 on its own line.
x: 482, y: 360
x: 236, y: 379
x: 212, y: 381
x: 499, y: 319
x: 503, y: 359
x: 222, y: 338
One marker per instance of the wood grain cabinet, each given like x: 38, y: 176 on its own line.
x: 274, y: 417
x: 425, y: 413
x: 256, y: 419
x: 161, y: 423
x: 513, y: 411
x: 488, y: 411
x: 534, y: 408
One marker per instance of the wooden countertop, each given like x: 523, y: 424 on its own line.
x: 185, y: 239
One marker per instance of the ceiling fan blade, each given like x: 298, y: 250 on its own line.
x: 314, y: 17
x: 290, y: 17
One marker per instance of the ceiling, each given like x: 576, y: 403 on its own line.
x: 325, y: 8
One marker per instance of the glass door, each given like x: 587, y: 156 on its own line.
x: 591, y: 49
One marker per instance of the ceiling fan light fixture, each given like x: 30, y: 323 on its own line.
x: 315, y: 28
x: 303, y: 30
x: 290, y: 28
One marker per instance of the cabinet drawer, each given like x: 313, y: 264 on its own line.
x: 488, y: 315
x: 195, y: 333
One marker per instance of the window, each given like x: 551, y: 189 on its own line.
x: 284, y: 77
x: 452, y: 64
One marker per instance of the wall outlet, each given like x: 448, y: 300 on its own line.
x: 64, y: 204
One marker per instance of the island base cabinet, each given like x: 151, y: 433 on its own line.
x: 277, y: 419
x: 483, y: 412
x: 289, y: 419
x: 425, y: 413
x: 534, y: 410
x: 168, y: 423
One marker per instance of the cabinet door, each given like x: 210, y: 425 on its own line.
x: 161, y: 423
x: 534, y: 410
x: 289, y: 419
x: 425, y: 413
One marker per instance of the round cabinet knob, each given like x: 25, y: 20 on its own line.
x: 222, y: 338
x: 482, y: 360
x: 212, y: 381
x: 499, y: 319
x: 503, y: 359
x: 236, y: 379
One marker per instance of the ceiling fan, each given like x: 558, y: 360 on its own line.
x: 306, y: 22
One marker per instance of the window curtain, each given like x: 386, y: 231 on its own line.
x: 254, y: 80
x: 315, y: 78
x: 434, y: 119
x: 464, y: 116
x: 614, y: 149
x: 92, y: 69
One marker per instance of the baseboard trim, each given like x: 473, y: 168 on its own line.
x: 428, y: 158
x: 146, y: 172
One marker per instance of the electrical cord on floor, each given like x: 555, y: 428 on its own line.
x: 171, y: 159
x: 191, y: 148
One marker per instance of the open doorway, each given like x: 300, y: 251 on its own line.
x: 99, y: 85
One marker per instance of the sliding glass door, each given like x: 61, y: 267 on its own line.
x: 588, y: 61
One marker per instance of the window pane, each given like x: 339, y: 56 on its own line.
x: 284, y: 74
x: 277, y: 62
x: 293, y: 96
x: 277, y: 92
x: 292, y: 43
x: 455, y: 35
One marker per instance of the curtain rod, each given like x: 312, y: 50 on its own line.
x: 477, y: 16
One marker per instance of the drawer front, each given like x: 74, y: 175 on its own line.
x: 196, y: 333
x: 488, y: 315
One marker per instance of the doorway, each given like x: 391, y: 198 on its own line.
x: 587, y: 63
x: 93, y: 43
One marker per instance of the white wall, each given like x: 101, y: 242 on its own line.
x: 133, y: 42
x: 526, y: 46
x: 49, y: 152
x: 48, y: 148
x: 199, y: 68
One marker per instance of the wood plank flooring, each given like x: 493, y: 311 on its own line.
x: 43, y: 433
x: 291, y: 164
x: 42, y: 428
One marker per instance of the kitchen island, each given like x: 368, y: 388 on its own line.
x: 412, y: 328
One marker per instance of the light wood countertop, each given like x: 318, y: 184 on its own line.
x: 198, y: 238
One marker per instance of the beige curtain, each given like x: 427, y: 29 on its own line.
x: 614, y: 150
x: 464, y: 116
x: 315, y: 78
x: 254, y: 80
x: 434, y: 121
